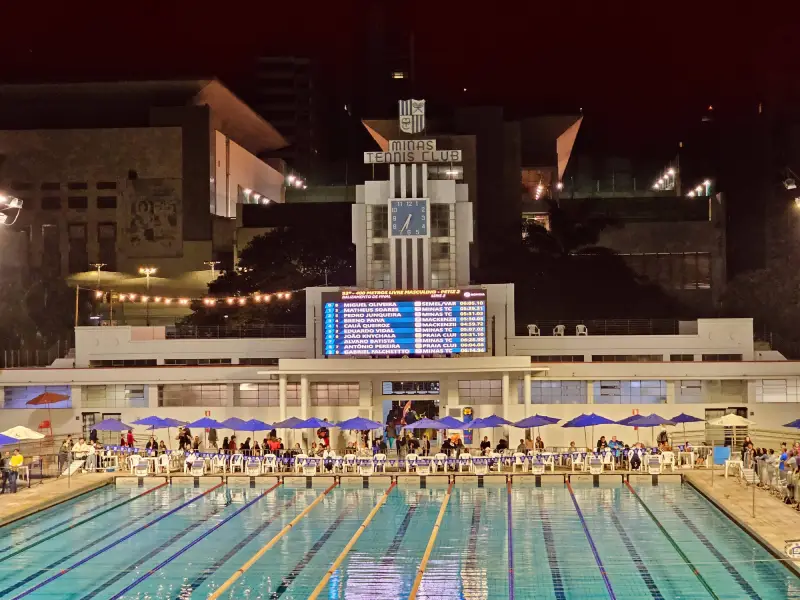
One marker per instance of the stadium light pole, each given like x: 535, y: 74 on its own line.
x: 147, y: 271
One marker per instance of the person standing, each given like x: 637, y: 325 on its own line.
x: 131, y: 441
x: 16, y: 464
x: 324, y: 435
x: 5, y: 467
x: 212, y: 437
x: 391, y: 433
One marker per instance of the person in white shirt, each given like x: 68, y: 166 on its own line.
x: 91, y: 457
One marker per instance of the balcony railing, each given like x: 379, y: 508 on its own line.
x: 605, y: 327
x: 212, y: 332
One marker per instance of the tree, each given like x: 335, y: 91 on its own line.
x: 283, y: 259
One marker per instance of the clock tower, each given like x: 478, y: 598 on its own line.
x: 414, y: 230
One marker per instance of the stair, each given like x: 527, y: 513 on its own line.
x: 74, y: 466
x: 749, y: 475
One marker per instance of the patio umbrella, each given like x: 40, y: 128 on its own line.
x: 288, y: 423
x: 490, y: 421
x: 683, y: 418
x: 7, y: 440
x: 312, y: 423
x: 359, y: 423
x: 794, y: 424
x: 651, y: 420
x: 627, y: 420
x: 425, y: 423
x: 154, y: 422
x: 235, y: 423
x: 206, y: 423
x: 536, y: 421
x: 453, y: 423
x: 254, y: 425
x: 589, y: 420
x: 21, y: 432
x: 733, y: 421
x: 48, y: 399
x: 111, y: 425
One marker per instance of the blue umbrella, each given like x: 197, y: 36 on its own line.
x: 152, y: 422
x: 651, y: 420
x: 794, y: 424
x: 7, y: 440
x: 453, y: 423
x: 359, y: 423
x: 170, y: 422
x: 312, y: 423
x: 288, y: 423
x: 536, y: 421
x: 206, y: 423
x: 627, y: 420
x: 254, y: 425
x: 235, y: 423
x: 490, y: 421
x: 425, y: 424
x: 111, y: 425
x: 589, y: 420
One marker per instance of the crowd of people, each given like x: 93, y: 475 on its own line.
x: 10, y: 464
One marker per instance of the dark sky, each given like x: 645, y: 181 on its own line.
x: 639, y: 70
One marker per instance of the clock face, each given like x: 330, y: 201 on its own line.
x: 408, y: 218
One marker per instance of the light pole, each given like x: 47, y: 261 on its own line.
x: 212, y: 264
x: 147, y: 271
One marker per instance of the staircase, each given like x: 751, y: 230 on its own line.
x: 73, y: 467
x: 749, y: 475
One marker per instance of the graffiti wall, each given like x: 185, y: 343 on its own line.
x: 154, y: 220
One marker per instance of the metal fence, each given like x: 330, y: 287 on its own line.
x: 34, y: 357
x: 180, y: 332
x: 605, y: 326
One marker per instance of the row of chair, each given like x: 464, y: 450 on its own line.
x: 558, y: 330
x: 778, y: 483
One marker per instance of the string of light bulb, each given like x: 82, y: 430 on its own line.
x: 209, y: 301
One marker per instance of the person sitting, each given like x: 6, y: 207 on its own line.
x: 522, y: 447
x: 486, y: 445
x: 232, y: 445
x: 151, y: 444
x: 245, y: 447
x: 447, y: 447
x: 572, y: 447
x: 662, y: 438
x: 196, y: 443
x: 602, y: 444
x: 162, y: 447
x: 256, y: 449
x: 81, y: 449
x: 502, y: 446
x: 635, y: 460
x: 458, y: 446
x: 225, y: 444
x: 539, y: 445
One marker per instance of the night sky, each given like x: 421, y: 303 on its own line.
x: 640, y: 70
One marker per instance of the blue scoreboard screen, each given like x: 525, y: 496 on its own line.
x: 404, y: 322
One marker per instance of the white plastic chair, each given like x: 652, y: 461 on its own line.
x: 133, y: 460
x: 350, y: 464
x: 163, y: 464
x: 299, y: 461
x: 253, y: 466
x: 519, y: 461
x: 576, y: 461
x: 198, y: 467
x: 270, y: 463
x: 548, y: 460
x: 497, y: 461
x: 558, y: 330
x: 608, y: 460
x: 141, y: 468
x: 411, y: 462
x: 379, y: 462
x: 581, y: 330
x: 533, y: 330
x: 237, y: 463
x: 440, y: 460
x: 668, y: 458
x: 464, y: 460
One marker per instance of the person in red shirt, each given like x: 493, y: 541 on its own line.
x: 131, y: 441
x: 232, y: 444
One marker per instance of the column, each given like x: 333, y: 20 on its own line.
x: 282, y: 397
x: 526, y: 393
x: 304, y: 399
x: 589, y: 392
x: 506, y: 401
x: 671, y: 391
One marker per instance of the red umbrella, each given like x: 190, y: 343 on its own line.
x: 47, y: 398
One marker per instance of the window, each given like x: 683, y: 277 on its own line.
x: 630, y: 392
x: 19, y: 396
x: 78, y: 260
x: 51, y: 245
x: 542, y: 358
x: 440, y: 250
x: 107, y: 242
x: 722, y: 357
x: 21, y: 186
x: 265, y: 394
x: 681, y: 357
x: 264, y: 362
x: 555, y: 392
x: 204, y: 394
x: 334, y: 394
x: 78, y: 202
x: 51, y: 203
x: 476, y: 391
x: 51, y: 186
x: 689, y: 391
x: 106, y: 202
x: 455, y: 172
x: 139, y: 362
x: 380, y: 251
x: 114, y: 396
x: 778, y: 390
x: 77, y: 185
x: 627, y: 357
x: 195, y: 362
x: 413, y: 388
x: 106, y: 185
x: 380, y: 221
x: 440, y: 220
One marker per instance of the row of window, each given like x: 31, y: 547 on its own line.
x: 76, y: 202
x: 547, y: 358
x: 22, y: 186
x: 172, y: 362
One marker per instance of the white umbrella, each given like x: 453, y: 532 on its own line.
x: 23, y: 433
x: 731, y: 420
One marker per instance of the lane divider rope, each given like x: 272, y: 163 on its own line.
x: 680, y: 552
x: 597, y: 558
x: 246, y: 566
x: 79, y: 523
x: 339, y: 559
x: 429, y: 548
x: 115, y: 543
x: 168, y: 560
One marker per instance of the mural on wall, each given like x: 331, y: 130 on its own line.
x: 154, y: 221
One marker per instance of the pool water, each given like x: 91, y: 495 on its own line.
x: 555, y: 541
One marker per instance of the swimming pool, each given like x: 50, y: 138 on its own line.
x: 556, y: 541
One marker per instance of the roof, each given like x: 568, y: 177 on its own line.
x: 129, y: 104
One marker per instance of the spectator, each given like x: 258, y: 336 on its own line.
x: 521, y: 447
x: 15, y: 465
x: 426, y: 445
x: 413, y: 445
x: 502, y: 445
x: 391, y: 433
x: 324, y: 435
x: 131, y: 441
x: 447, y: 446
x: 636, y: 461
x: 662, y: 438
x: 245, y: 447
x: 196, y: 443
x: 122, y: 442
x: 232, y: 444
x: 539, y: 445
x: 63, y: 455
x: 5, y: 467
x: 602, y: 444
x: 572, y: 447
x: 151, y: 444
x: 71, y: 442
x: 212, y: 438
x: 486, y: 445
x: 162, y: 447
x: 93, y: 436
x: 225, y: 444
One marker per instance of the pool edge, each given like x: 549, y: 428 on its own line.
x: 17, y: 516
x: 775, y: 552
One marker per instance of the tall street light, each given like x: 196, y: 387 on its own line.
x: 147, y: 271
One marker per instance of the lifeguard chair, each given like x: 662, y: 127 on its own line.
x: 45, y: 428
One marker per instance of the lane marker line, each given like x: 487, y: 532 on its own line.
x: 434, y: 532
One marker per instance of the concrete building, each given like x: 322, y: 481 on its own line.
x: 132, y: 173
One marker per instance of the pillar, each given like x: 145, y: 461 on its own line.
x: 589, y: 392
x: 304, y: 399
x: 282, y: 397
x: 526, y: 393
x: 671, y: 391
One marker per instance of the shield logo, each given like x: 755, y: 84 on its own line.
x: 412, y: 116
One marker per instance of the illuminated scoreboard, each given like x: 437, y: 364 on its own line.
x: 404, y: 322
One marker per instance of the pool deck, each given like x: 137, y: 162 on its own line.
x: 41, y: 496
x: 774, y: 524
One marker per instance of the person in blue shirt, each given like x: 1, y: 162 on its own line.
x: 615, y: 446
x: 782, y: 465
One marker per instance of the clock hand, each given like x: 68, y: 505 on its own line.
x: 406, y: 224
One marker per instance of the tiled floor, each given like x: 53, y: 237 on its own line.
x: 774, y: 521
x: 39, y: 496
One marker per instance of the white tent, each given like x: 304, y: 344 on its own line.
x: 731, y: 420
x: 23, y: 433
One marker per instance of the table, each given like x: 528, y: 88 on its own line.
x: 733, y: 463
